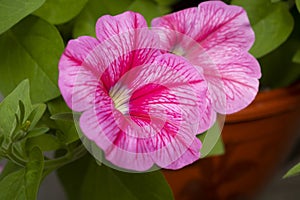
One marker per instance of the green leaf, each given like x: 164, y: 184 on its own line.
x: 60, y: 11
x: 10, y: 105
x: 22, y: 111
x: 31, y: 49
x: 149, y: 9
x: 68, y: 129
x: 65, y: 116
x: 166, y: 2
x: 12, y: 11
x: 218, y: 149
x: 275, y: 1
x: 15, y: 132
x: 36, y: 114
x: 9, y: 168
x: 293, y: 172
x: 296, y: 57
x: 46, y: 142
x: 84, y: 179
x: 12, y: 186
x: 298, y: 4
x: 114, y: 7
x: 211, y: 141
x: 272, y: 24
x: 33, y: 174
x: 24, y: 183
x: 85, y: 22
x: 70, y: 177
x: 37, y: 132
x: 280, y: 68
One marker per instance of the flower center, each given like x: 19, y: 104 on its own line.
x: 120, y: 96
x: 178, y: 50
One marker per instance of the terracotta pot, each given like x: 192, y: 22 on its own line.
x: 257, y: 140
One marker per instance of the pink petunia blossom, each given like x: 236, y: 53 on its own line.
x: 141, y: 107
x: 216, y: 38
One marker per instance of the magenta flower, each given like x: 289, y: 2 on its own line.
x: 215, y: 37
x: 141, y: 107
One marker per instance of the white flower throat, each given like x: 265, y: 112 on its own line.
x: 120, y: 96
x: 178, y: 50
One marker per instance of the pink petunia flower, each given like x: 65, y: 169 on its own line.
x: 141, y: 107
x: 215, y: 37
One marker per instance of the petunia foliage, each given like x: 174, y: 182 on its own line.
x: 11, y: 12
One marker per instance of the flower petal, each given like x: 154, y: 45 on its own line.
x: 162, y: 120
x: 222, y: 36
x: 235, y: 84
x: 212, y: 24
x: 208, y: 116
x: 132, y: 146
x: 76, y: 82
x: 108, y: 26
x: 191, y: 155
x: 86, y: 61
x: 126, y: 42
x: 101, y: 127
x: 127, y: 61
x: 184, y: 81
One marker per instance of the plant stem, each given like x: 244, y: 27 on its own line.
x: 70, y: 156
x: 9, y: 154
